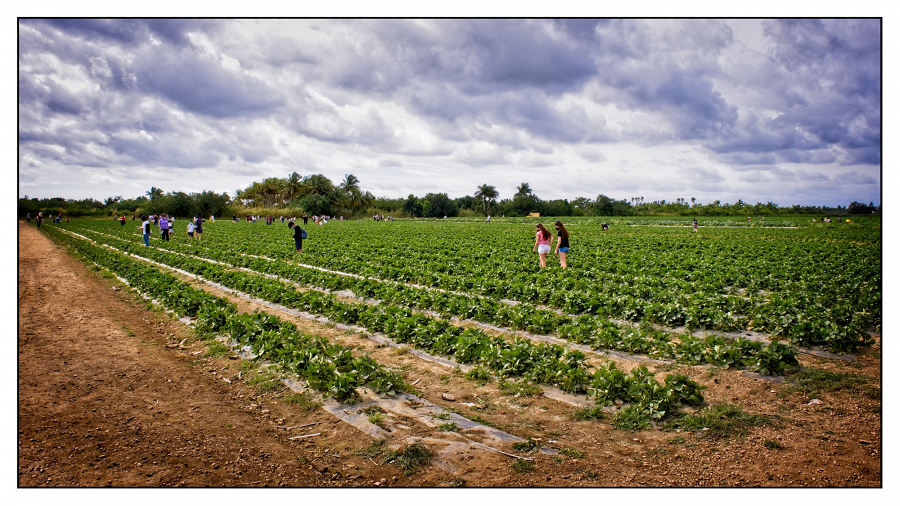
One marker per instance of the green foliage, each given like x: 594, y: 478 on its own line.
x: 589, y: 413
x: 812, y: 381
x: 720, y: 420
x: 632, y: 418
x: 410, y: 459
x: 305, y: 401
x: 529, y: 445
x: 522, y: 466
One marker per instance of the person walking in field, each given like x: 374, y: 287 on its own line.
x: 542, y: 243
x: 190, y: 229
x: 562, y: 243
x: 164, y: 226
x: 145, y: 230
x: 299, y: 235
x: 39, y: 219
x: 198, y: 227
x: 695, y: 224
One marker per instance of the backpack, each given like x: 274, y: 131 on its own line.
x: 303, y: 234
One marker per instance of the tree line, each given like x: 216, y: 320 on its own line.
x: 315, y: 194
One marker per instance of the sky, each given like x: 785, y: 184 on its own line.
x: 784, y: 110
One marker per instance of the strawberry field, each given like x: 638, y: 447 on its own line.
x: 637, y: 290
x: 636, y: 303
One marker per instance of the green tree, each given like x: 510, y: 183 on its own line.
x: 412, y: 206
x: 487, y: 194
x: 440, y: 205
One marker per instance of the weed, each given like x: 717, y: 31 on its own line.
x: 677, y: 440
x: 482, y: 421
x: 403, y: 350
x: 215, y: 348
x: 522, y: 466
x: 772, y: 444
x: 373, y: 450
x: 448, y: 427
x: 589, y: 413
x: 458, y: 482
x: 479, y: 375
x: 443, y: 415
x: 720, y: 420
x: 631, y: 418
x: 265, y: 382
x: 376, y: 418
x: 521, y: 388
x: 304, y: 401
x: 572, y: 452
x: 411, y: 458
x: 590, y: 474
x: 814, y: 381
x: 128, y: 331
x: 529, y: 445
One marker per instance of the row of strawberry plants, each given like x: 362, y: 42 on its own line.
x: 539, y: 363
x: 822, y: 308
x: 666, y: 289
x: 595, y: 332
x: 329, y: 368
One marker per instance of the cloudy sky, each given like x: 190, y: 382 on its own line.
x: 787, y: 111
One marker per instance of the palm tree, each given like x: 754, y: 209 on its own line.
x: 524, y: 190
x: 154, y: 193
x: 487, y: 194
x: 350, y: 184
x: 292, y: 187
x: 316, y: 183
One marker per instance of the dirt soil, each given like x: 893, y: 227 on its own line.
x: 112, y: 392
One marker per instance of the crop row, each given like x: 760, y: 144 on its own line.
x: 330, y: 368
x: 541, y: 363
x: 593, y: 331
x: 804, y: 288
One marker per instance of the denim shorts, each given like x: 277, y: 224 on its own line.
x: 564, y: 250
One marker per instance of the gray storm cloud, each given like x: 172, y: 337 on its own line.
x: 754, y: 101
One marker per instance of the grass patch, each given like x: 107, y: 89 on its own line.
x: 448, y: 427
x: 631, y: 418
x: 814, y: 381
x: 589, y: 413
x: 215, y: 348
x: 521, y: 388
x: 522, y: 466
x: 720, y: 420
x: 529, y: 445
x: 572, y: 452
x: 410, y: 459
x: 376, y: 449
x: 479, y: 375
x: 265, y: 382
x: 304, y: 401
x: 128, y: 331
x: 677, y: 440
x: 772, y: 444
x: 443, y: 415
x: 482, y: 421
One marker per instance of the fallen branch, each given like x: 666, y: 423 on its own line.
x: 307, y: 435
x: 514, y: 456
x: 282, y: 427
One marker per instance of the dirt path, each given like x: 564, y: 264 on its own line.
x: 102, y: 400
x: 107, y: 398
